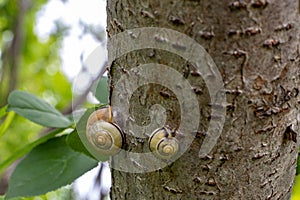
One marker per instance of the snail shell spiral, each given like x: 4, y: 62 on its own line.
x: 104, y: 135
x: 163, y: 145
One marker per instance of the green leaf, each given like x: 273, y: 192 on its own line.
x: 49, y: 166
x: 4, y: 126
x: 27, y: 148
x: 63, y: 193
x: 73, y: 141
x: 101, y: 92
x: 36, y: 110
x: 81, y: 130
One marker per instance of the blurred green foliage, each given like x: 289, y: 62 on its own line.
x: 39, y: 66
x: 296, y: 189
x: 38, y: 70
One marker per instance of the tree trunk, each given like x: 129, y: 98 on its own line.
x: 255, y: 46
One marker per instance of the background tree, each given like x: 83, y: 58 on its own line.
x: 255, y: 45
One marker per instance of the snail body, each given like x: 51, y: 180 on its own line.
x: 103, y: 134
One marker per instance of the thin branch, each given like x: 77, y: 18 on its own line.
x: 82, y: 98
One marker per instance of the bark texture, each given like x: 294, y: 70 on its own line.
x: 255, y: 45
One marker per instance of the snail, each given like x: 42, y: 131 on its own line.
x: 162, y: 144
x: 103, y: 134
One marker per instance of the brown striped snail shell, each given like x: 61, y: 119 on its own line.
x: 162, y: 144
x: 103, y: 134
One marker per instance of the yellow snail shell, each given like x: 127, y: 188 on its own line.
x: 104, y: 135
x: 162, y: 144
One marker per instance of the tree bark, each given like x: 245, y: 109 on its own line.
x: 255, y: 46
